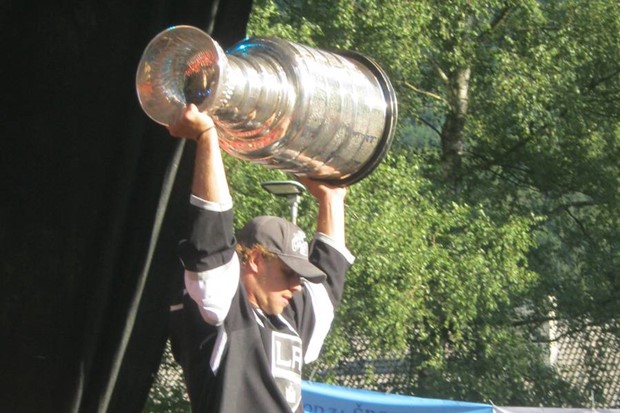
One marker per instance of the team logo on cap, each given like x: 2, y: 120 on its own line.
x: 299, y: 244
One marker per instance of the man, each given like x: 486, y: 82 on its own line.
x: 258, y: 306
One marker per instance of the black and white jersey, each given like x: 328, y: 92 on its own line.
x: 234, y: 357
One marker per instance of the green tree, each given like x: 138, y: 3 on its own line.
x: 503, y: 190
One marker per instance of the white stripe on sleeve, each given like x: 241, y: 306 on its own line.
x: 209, y: 205
x: 323, y: 314
x: 336, y: 245
x: 213, y: 290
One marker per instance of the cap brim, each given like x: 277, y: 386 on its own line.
x: 304, y: 268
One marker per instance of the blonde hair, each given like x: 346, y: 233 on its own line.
x: 244, y: 252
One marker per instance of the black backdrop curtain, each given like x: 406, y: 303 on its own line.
x: 84, y: 287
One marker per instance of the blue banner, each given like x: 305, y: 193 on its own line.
x: 325, y: 398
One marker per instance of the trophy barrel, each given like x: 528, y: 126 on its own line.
x: 325, y: 115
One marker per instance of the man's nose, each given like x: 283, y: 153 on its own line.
x: 295, y: 283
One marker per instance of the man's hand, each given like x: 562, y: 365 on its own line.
x: 209, y: 180
x: 190, y: 123
x: 322, y: 191
x: 330, y: 219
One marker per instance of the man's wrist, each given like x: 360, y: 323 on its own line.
x: 204, y: 133
x: 331, y: 198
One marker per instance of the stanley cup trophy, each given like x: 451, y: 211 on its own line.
x: 328, y: 116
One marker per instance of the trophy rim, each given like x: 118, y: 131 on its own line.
x: 210, y: 44
x: 391, y: 117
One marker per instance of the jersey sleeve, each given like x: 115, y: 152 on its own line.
x: 209, y: 258
x: 313, y: 310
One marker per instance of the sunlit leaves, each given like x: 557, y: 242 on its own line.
x: 441, y: 273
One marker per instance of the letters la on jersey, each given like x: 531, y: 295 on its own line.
x: 286, y: 362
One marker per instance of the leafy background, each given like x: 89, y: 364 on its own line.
x: 494, y: 219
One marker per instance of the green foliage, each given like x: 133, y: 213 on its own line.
x: 438, y: 281
x: 268, y: 20
x: 249, y: 198
x: 529, y: 90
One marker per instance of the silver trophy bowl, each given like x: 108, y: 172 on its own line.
x: 328, y: 116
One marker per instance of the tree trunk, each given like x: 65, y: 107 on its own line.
x: 452, y: 131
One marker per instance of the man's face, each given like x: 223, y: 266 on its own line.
x: 274, y: 286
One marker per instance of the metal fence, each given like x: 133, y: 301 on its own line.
x: 168, y: 394
x: 388, y: 373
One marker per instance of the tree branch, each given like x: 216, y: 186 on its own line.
x: 500, y: 17
x: 580, y: 225
x: 427, y: 123
x: 427, y: 93
x: 497, y: 20
x: 576, y: 204
x: 604, y: 79
x: 442, y: 75
x: 494, y: 161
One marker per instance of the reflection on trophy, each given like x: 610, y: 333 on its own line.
x: 328, y: 116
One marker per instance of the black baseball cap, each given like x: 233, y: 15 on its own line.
x: 284, y: 239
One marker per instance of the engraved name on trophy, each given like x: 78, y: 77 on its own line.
x: 329, y: 116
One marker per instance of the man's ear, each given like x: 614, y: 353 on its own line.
x: 255, y: 258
